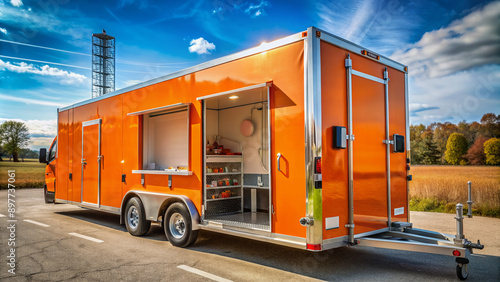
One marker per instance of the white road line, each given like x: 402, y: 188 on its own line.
x: 86, y: 237
x: 203, y: 273
x: 37, y: 223
x: 1, y: 215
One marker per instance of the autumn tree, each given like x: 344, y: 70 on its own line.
x: 492, y: 151
x: 456, y: 148
x: 490, y: 125
x: 475, y: 154
x: 442, y: 132
x: 13, y: 136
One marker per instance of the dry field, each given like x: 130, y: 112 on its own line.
x: 439, y: 188
x: 29, y: 174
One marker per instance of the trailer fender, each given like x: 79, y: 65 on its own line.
x: 156, y: 203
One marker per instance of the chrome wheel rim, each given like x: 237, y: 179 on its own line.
x: 133, y: 217
x: 177, y: 225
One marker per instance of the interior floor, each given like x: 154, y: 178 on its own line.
x: 250, y: 220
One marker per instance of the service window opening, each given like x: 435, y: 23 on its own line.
x: 165, y: 138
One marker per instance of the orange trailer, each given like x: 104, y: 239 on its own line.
x: 302, y: 141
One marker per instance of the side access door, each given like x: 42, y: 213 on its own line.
x: 91, y: 163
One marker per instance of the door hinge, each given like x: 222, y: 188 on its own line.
x: 350, y: 137
x: 390, y: 142
x: 124, y: 177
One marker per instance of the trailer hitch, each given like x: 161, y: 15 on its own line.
x: 469, y: 244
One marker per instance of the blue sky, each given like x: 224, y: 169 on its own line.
x: 452, y: 47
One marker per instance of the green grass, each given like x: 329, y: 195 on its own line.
x: 434, y: 205
x: 29, y: 174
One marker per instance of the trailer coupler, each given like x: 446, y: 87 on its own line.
x: 402, y: 236
x: 470, y: 245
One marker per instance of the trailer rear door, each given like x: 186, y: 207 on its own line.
x: 369, y: 155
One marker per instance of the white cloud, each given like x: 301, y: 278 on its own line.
x: 257, y: 9
x: 16, y: 3
x: 465, y: 95
x: 3, y: 30
x: 64, y: 76
x: 417, y: 107
x: 29, y: 101
x: 201, y: 46
x: 464, y: 44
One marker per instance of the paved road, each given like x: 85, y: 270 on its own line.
x: 50, y: 252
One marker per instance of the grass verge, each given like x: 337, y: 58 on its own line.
x: 435, y: 205
x: 29, y: 174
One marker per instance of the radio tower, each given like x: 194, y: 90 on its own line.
x: 103, y: 64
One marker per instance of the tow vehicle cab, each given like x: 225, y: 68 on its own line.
x: 50, y: 159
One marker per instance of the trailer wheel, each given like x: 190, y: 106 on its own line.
x: 462, y: 271
x: 135, y: 218
x: 178, y: 227
x: 48, y: 199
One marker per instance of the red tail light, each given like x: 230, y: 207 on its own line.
x: 318, y: 165
x: 314, y: 247
x: 456, y: 253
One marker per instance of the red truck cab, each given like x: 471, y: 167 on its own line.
x: 50, y: 159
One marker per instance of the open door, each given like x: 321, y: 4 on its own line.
x: 91, y: 163
x: 237, y: 186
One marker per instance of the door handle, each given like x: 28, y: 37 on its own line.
x: 279, y: 157
x: 84, y: 162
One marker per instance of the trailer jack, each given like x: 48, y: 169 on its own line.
x: 402, y: 236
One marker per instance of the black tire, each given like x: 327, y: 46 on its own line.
x: 135, y: 218
x: 462, y: 271
x: 48, y: 197
x: 178, y: 226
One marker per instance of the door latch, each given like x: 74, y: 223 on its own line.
x: 84, y: 162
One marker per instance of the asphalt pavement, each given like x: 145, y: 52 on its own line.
x: 64, y: 242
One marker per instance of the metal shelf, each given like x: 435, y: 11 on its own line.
x: 223, y: 173
x: 224, y: 187
x: 224, y: 158
x: 255, y: 187
x: 163, y: 172
x: 219, y: 199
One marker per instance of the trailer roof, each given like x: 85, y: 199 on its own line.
x: 333, y: 39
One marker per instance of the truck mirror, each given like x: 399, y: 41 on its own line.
x: 42, y: 157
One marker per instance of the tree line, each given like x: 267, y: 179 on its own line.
x: 474, y: 143
x: 14, y: 138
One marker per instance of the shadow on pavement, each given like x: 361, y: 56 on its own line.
x: 346, y: 263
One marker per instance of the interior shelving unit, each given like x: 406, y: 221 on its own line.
x: 232, y: 168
